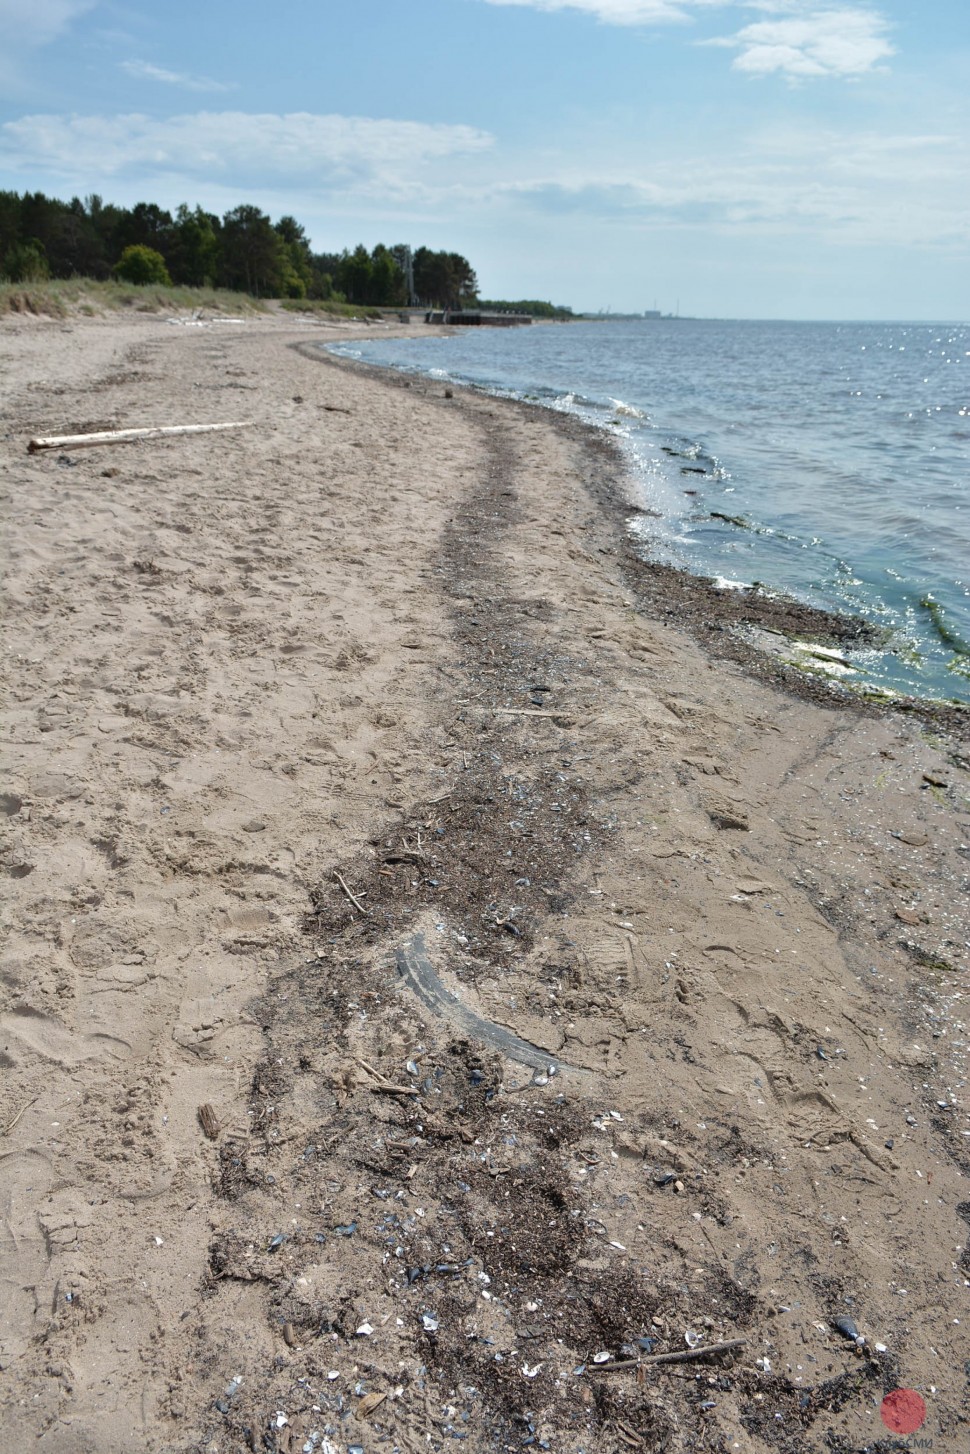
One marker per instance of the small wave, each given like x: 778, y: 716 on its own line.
x: 569, y: 403
x: 824, y: 659
x: 630, y: 410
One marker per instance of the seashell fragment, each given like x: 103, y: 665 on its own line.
x: 848, y: 1329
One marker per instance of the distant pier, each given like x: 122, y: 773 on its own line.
x: 475, y: 318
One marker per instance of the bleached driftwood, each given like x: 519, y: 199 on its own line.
x: 122, y: 436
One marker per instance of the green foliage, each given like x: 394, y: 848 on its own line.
x: 324, y: 267
x: 370, y: 278
x: 532, y: 306
x: 353, y: 275
x: 141, y: 264
x: 196, y: 252
x: 387, y: 287
x: 297, y: 268
x: 444, y: 279
x: 254, y: 254
x: 146, y: 225
x: 244, y: 251
x: 26, y: 262
x: 332, y: 307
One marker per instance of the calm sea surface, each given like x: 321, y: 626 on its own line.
x: 830, y: 461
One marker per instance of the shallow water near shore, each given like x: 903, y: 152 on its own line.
x: 828, y: 461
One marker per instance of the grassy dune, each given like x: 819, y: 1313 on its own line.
x: 85, y: 296
x: 328, y: 306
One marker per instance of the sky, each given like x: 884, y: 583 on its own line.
x: 769, y: 159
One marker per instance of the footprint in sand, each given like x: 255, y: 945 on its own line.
x: 29, y: 1029
x: 26, y: 1177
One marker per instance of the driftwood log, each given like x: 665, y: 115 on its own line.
x: 209, y: 1122
x: 123, y: 436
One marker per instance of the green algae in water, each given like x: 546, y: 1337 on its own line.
x: 943, y: 629
x: 737, y: 520
x: 907, y: 652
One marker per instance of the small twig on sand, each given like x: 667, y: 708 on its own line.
x: 5, y: 1130
x: 628, y: 1435
x: 684, y: 1357
x: 385, y: 1085
x: 699, y: 1352
x: 524, y: 712
x: 352, y: 897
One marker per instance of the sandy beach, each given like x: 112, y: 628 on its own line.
x: 444, y: 969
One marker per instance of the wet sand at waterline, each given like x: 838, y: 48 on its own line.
x: 346, y: 755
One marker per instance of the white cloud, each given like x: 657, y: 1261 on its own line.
x: 800, y: 40
x: 870, y: 189
x: 618, y: 12
x: 819, y: 43
x: 145, y: 71
x: 344, y: 176
x: 814, y: 38
x: 235, y: 148
x: 26, y: 25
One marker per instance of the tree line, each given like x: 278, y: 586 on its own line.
x: 42, y: 237
x: 535, y: 307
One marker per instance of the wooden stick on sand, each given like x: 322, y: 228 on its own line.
x: 387, y: 1086
x: 122, y: 436
x: 685, y: 1357
x: 351, y: 896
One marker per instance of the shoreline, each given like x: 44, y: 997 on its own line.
x: 839, y: 626
x: 382, y: 667
x: 754, y: 622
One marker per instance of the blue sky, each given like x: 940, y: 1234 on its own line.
x: 773, y: 159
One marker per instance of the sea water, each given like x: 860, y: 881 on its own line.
x: 826, y: 461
